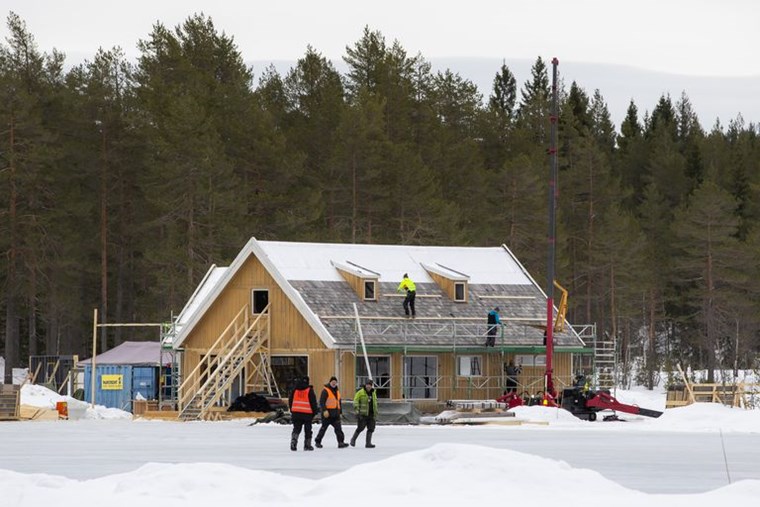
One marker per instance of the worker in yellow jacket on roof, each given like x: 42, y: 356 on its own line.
x: 411, y: 291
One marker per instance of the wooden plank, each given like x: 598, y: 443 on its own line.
x: 685, y: 382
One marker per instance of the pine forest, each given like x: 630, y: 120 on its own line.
x: 122, y: 180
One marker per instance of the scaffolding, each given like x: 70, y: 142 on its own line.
x: 456, y: 335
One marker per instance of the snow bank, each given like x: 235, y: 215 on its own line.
x: 39, y: 396
x: 443, y: 475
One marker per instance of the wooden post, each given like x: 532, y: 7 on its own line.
x: 361, y: 338
x: 686, y: 383
x: 94, y: 351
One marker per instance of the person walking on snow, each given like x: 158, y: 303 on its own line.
x: 365, y: 405
x: 331, y: 406
x: 411, y: 291
x: 303, y: 405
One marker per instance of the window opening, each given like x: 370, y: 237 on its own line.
x: 259, y: 300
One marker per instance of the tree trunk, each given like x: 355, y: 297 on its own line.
x: 354, y: 197
x: 11, y: 317
x: 710, y: 331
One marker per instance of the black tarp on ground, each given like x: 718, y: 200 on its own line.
x: 257, y: 402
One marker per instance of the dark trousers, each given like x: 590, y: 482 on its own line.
x: 301, y: 421
x: 491, y: 336
x: 409, y: 301
x: 511, y: 385
x: 335, y: 423
x: 364, y: 421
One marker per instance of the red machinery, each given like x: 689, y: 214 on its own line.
x: 580, y: 401
x: 584, y: 404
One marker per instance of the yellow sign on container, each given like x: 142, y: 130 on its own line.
x: 112, y: 382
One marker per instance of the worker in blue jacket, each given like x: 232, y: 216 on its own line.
x: 494, y: 321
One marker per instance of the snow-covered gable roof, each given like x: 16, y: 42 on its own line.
x: 214, y: 290
x: 201, y: 294
x: 314, y: 261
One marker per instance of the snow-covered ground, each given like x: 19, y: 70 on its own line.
x: 692, y: 456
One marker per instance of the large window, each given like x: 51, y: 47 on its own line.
x: 286, y: 369
x: 421, y: 377
x: 469, y: 366
x: 381, y: 373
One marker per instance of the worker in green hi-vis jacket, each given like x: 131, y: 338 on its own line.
x: 365, y: 406
x: 411, y: 291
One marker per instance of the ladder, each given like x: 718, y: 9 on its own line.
x: 261, y: 377
x: 604, y: 363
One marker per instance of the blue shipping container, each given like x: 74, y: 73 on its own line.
x: 112, y: 398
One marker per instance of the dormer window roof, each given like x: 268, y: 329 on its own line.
x: 452, y: 282
x: 362, y: 280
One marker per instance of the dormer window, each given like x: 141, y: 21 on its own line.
x: 370, y: 287
x: 452, y: 282
x: 362, y: 280
x: 460, y: 292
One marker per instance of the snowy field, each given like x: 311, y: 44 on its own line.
x: 693, y: 456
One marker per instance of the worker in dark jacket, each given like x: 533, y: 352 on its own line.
x: 303, y: 405
x: 365, y: 405
x: 331, y: 406
x: 512, y: 373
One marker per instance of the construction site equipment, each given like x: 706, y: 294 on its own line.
x: 604, y: 362
x: 550, y: 393
x: 559, y: 325
x: 580, y: 401
x: 585, y: 404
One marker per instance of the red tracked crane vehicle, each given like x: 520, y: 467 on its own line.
x: 580, y: 401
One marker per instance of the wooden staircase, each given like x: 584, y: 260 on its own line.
x: 244, y: 343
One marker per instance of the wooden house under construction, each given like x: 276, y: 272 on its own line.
x: 283, y: 310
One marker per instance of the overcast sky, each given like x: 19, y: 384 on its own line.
x: 683, y: 37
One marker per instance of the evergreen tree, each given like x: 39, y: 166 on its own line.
x: 503, y: 96
x: 602, y: 128
x: 315, y: 93
x: 185, y: 77
x: 630, y: 129
x: 29, y: 83
x: 663, y: 117
x: 533, y: 112
x: 711, y: 271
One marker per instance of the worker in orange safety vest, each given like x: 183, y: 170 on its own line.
x: 331, y: 406
x: 303, y: 406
